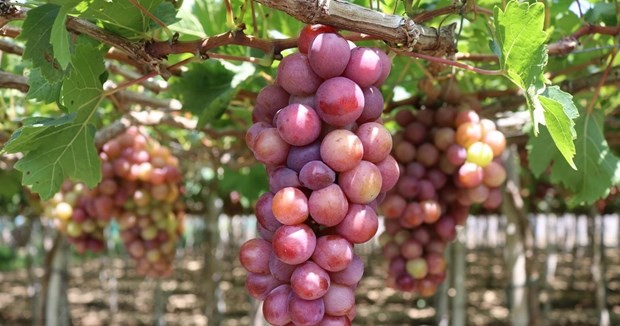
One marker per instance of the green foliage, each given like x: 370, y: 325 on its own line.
x: 11, y: 184
x: 36, y: 32
x: 523, y: 56
x: 60, y: 38
x: 250, y: 182
x: 205, y: 90
x: 521, y: 39
x: 597, y: 167
x: 41, y: 89
x: 123, y: 17
x: 60, y: 148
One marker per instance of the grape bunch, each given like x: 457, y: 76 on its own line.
x: 81, y: 215
x: 141, y: 178
x: 140, y: 188
x: 449, y: 161
x: 327, y: 155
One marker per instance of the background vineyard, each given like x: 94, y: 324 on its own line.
x: 76, y: 74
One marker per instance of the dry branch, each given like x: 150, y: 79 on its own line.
x: 390, y: 28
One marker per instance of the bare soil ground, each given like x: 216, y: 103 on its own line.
x: 108, y: 292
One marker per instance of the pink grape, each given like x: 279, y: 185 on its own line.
x: 305, y: 312
x: 328, y: 55
x: 351, y: 275
x: 415, y: 132
x: 328, y: 206
x: 390, y: 172
x: 309, y: 281
x: 254, y: 255
x: 364, y: 67
x: 316, y: 175
x: 393, y: 206
x: 259, y: 285
x: 359, y: 224
x: 494, y: 175
x: 299, y: 156
x: 427, y: 155
x: 294, y: 244
x: 386, y: 66
x: 341, y: 150
x: 269, y: 100
x: 264, y: 214
x: 333, y: 253
x: 290, y: 206
x: 361, y: 184
x: 339, y: 101
x: 309, y: 33
x: 298, y: 125
x: 376, y: 140
x: 275, y: 307
x: 280, y: 270
x: 470, y: 175
x: 339, y: 299
x: 270, y: 148
x: 373, y: 105
x: 296, y: 76
x: 282, y: 177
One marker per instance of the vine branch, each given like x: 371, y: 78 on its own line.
x: 390, y: 28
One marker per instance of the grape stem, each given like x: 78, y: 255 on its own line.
x: 601, y: 83
x: 450, y: 63
x: 151, y: 16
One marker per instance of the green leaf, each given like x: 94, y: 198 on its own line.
x: 205, y: 90
x: 83, y: 86
x: 60, y: 38
x: 36, y: 32
x: 559, y: 110
x: 541, y: 152
x: 521, y: 39
x: 120, y: 16
x: 42, y: 90
x: 598, y: 169
x: 66, y: 151
x: 60, y: 148
x: 166, y: 13
x: 24, y: 138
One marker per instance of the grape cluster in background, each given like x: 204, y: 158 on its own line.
x: 80, y: 215
x: 449, y: 160
x: 140, y: 188
x: 327, y: 154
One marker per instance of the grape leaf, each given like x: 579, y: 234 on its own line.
x: 205, y: 90
x: 40, y: 89
x: 24, y: 138
x: 120, y: 16
x: 521, y: 40
x: 597, y: 167
x: 60, y: 148
x: 63, y: 151
x: 60, y: 38
x: 520, y: 44
x: 36, y: 32
x: 166, y: 13
x: 559, y: 111
x: 83, y: 86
